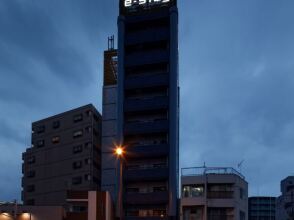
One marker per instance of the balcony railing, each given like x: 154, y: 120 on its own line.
x: 200, y: 171
x: 220, y: 194
x: 159, y: 102
x: 146, y: 198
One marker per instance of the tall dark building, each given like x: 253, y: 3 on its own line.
x: 148, y: 107
x: 65, y: 155
x: 261, y: 208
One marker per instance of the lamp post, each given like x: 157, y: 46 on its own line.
x: 119, y: 151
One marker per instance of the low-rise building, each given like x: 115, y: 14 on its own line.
x: 285, y: 202
x: 213, y: 194
x: 261, y: 208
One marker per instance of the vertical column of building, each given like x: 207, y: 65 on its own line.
x: 148, y: 109
x: 109, y: 123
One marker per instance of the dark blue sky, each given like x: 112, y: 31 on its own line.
x: 236, y: 77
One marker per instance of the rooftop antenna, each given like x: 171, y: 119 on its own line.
x: 240, y: 166
x: 111, y: 42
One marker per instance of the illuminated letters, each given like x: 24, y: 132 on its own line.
x: 128, y: 3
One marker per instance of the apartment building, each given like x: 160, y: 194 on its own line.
x: 65, y: 155
x: 213, y: 194
x: 261, y: 208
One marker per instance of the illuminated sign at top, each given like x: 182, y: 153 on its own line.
x: 134, y: 3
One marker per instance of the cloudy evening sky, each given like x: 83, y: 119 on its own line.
x: 236, y: 78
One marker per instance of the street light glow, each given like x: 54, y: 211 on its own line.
x: 119, y: 151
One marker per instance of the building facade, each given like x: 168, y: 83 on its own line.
x: 148, y: 108
x: 65, y: 155
x: 89, y: 205
x: 109, y: 123
x: 261, y: 208
x: 213, y: 194
x: 285, y: 202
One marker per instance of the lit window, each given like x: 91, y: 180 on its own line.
x: 78, y: 134
x: 192, y: 191
x: 56, y: 140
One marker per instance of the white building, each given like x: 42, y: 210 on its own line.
x: 213, y: 194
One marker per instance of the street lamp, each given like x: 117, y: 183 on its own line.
x: 119, y: 151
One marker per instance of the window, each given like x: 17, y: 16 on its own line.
x: 56, y: 140
x: 31, y: 160
x: 95, y: 133
x: 31, y: 174
x: 242, y: 215
x: 78, y: 209
x: 40, y: 143
x: 78, y: 134
x: 77, y: 165
x: 89, y: 113
x: 193, y: 191
x: 77, y: 180
x: 159, y: 189
x: 242, y: 193
x: 88, y: 161
x: 88, y: 145
x: 88, y: 129
x: 56, y: 124
x: 39, y: 129
x: 78, y: 118
x: 77, y: 149
x: 31, y: 188
x: 88, y: 177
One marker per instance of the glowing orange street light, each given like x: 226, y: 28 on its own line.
x: 119, y: 151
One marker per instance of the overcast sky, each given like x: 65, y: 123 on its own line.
x: 236, y: 78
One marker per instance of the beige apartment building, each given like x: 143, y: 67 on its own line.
x: 213, y: 194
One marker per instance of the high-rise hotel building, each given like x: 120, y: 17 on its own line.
x: 148, y: 107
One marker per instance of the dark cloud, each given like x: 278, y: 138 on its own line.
x: 236, y: 77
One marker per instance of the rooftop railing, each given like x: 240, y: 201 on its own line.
x: 200, y: 171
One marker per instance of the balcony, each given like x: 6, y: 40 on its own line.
x: 150, y: 35
x: 151, y: 174
x: 156, y: 126
x: 146, y: 198
x: 147, y: 57
x: 159, y: 102
x: 147, y: 151
x: 220, y: 194
x: 145, y: 81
